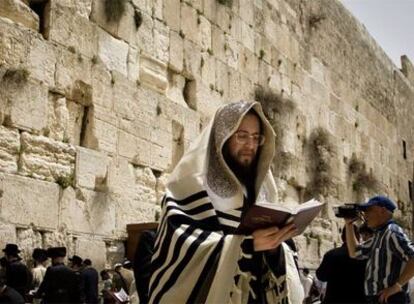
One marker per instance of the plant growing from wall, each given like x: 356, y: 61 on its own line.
x: 322, y: 153
x: 114, y: 10
x: 361, y: 179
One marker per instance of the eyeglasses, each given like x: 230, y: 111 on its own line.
x: 243, y: 137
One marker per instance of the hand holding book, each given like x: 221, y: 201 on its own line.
x: 265, y: 215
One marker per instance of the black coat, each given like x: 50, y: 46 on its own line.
x: 60, y: 285
x: 344, y: 277
x: 9, y: 295
x: 18, y: 277
x: 90, y: 280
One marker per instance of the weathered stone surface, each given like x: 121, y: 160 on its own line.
x: 26, y: 101
x: 41, y: 61
x: 153, y: 73
x: 133, y: 64
x: 70, y: 68
x: 82, y: 7
x: 9, y: 149
x: 189, y: 26
x: 113, y: 52
x: 24, y: 196
x: 7, y: 232
x: 101, y: 133
x: 44, y: 158
x: 27, y: 240
x: 91, y: 169
x: 58, y: 118
x: 19, y: 12
x: 72, y: 30
x: 93, y: 249
x: 171, y: 13
x: 161, y: 41
x: 176, y: 49
x: 176, y: 84
x: 87, y: 212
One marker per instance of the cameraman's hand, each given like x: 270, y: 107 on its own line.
x: 387, y: 292
x: 271, y: 238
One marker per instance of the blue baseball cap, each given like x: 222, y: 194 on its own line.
x: 380, y: 201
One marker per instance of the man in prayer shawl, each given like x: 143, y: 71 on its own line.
x: 197, y: 257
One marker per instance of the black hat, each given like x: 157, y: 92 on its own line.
x: 11, y: 249
x: 56, y: 252
x: 39, y: 255
x: 75, y: 259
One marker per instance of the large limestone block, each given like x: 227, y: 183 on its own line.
x: 44, y: 158
x: 192, y: 59
x: 247, y: 11
x: 98, y: 16
x: 72, y: 30
x: 102, y: 131
x: 102, y: 86
x: 205, y: 32
x: 15, y: 42
x: 248, y: 36
x: 161, y: 41
x: 87, y: 212
x: 145, y: 37
x: 76, y: 113
x: 60, y: 237
x: 81, y: 7
x: 58, y: 118
x: 7, y: 232
x: 133, y: 64
x: 70, y: 68
x: 91, y: 168
x: 189, y: 25
x: 134, y: 148
x: 26, y: 201
x: 93, y: 249
x: 176, y: 84
x: 176, y: 56
x: 153, y: 73
x: 41, y: 61
x: 171, y: 13
x: 112, y: 52
x: 208, y: 69
x: 125, y: 104
x: 19, y: 12
x: 9, y: 149
x: 26, y: 101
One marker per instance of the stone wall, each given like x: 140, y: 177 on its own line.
x: 99, y: 103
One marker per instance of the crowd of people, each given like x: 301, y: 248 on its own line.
x: 55, y: 282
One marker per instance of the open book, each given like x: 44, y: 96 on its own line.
x: 121, y: 296
x: 264, y: 215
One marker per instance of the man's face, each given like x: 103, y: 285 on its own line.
x: 375, y: 216
x: 245, y: 153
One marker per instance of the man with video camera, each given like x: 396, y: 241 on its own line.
x: 390, y: 253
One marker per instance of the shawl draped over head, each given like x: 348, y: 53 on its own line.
x: 197, y: 258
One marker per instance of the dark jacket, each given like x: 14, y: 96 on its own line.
x: 9, y: 295
x: 60, y: 285
x: 344, y: 277
x: 18, y: 277
x: 90, y: 282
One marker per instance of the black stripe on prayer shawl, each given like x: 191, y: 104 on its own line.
x: 189, y: 199
x: 193, y: 211
x: 228, y: 216
x: 205, y: 273
x: 177, y: 271
x: 160, y: 260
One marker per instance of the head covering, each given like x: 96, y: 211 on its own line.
x: 75, y: 259
x: 39, y: 255
x: 11, y: 249
x: 203, y: 167
x: 56, y: 252
x: 87, y: 262
x: 117, y: 265
x: 380, y: 201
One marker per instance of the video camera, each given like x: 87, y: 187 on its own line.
x: 347, y: 210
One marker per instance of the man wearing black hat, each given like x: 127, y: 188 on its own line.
x: 90, y: 280
x: 17, y: 275
x: 39, y: 256
x: 61, y: 284
x: 389, y: 253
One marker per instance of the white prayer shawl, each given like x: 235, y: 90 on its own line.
x: 194, y: 261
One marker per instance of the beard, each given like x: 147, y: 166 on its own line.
x: 244, y: 171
